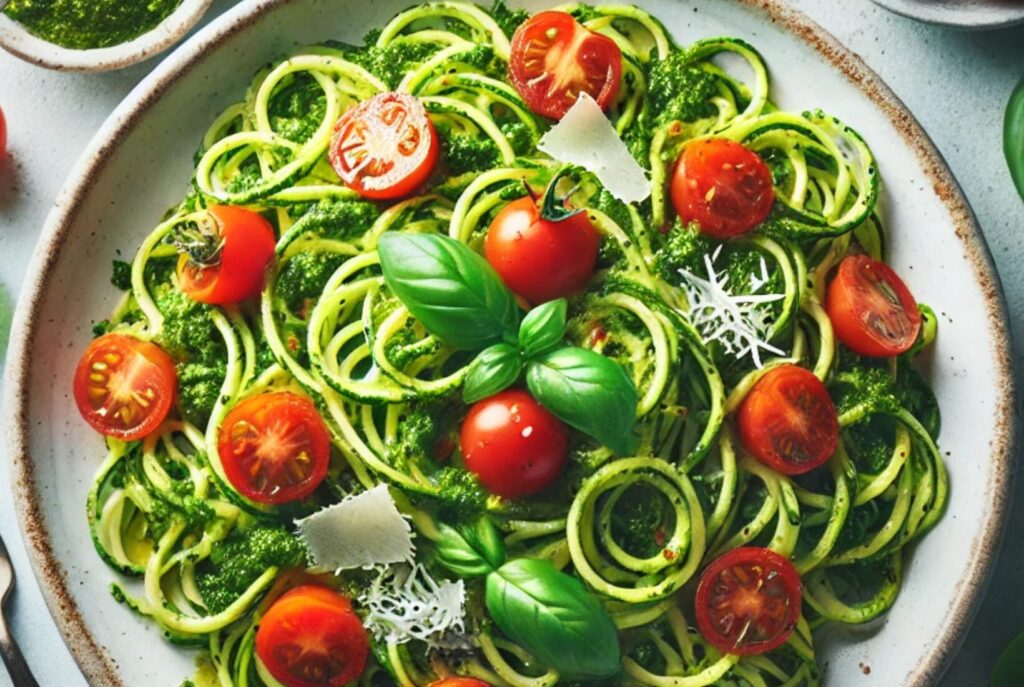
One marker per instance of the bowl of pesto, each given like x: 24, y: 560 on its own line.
x: 94, y: 35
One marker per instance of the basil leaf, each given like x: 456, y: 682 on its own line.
x: 495, y: 369
x: 1009, y: 669
x: 454, y: 293
x: 472, y: 550
x: 554, y: 617
x: 543, y: 328
x: 587, y: 391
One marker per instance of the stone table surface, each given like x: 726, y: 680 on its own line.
x: 956, y: 83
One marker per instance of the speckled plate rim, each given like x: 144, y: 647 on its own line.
x: 100, y: 669
x: 16, y: 40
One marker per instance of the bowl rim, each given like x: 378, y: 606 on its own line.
x: 956, y: 15
x: 94, y: 660
x: 17, y: 40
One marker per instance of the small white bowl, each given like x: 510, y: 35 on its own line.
x: 15, y: 39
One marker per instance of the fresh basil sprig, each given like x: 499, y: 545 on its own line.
x: 587, y: 391
x: 494, y: 370
x: 554, y: 617
x: 453, y: 291
x: 543, y: 328
x: 472, y: 550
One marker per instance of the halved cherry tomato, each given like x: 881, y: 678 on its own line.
x: 788, y: 421
x: 748, y: 601
x: 555, y: 58
x: 540, y: 259
x: 311, y: 637
x: 385, y: 147
x: 723, y: 186
x: 124, y: 387
x: 459, y: 682
x: 513, y: 444
x: 246, y: 243
x: 274, y: 447
x: 872, y: 310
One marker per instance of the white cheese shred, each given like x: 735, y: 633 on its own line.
x: 740, y: 323
x: 585, y: 137
x: 405, y: 603
x: 361, y: 531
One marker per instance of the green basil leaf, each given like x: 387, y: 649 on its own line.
x: 454, y: 293
x: 495, y: 369
x: 543, y: 328
x: 554, y: 617
x: 472, y: 550
x: 587, y: 391
x: 1009, y: 670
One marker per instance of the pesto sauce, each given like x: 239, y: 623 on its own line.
x: 87, y: 24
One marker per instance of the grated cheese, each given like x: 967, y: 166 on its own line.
x: 585, y: 137
x: 405, y: 603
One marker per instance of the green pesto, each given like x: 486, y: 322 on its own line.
x: 121, y: 275
x: 297, y: 109
x: 305, y: 275
x: 392, y: 62
x: 680, y: 91
x: 342, y: 220
x: 199, y: 386
x: 237, y: 561
x: 87, y: 24
x: 460, y: 494
x: 188, y: 332
x: 681, y: 248
x: 463, y: 153
x: 639, y: 523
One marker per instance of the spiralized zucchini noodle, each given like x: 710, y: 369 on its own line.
x: 161, y: 509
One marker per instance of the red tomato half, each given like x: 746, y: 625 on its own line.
x: 247, y: 247
x: 872, y: 310
x: 311, y: 637
x: 540, y: 259
x: 459, y: 682
x: 124, y: 387
x: 723, y: 186
x: 555, y: 58
x: 513, y: 444
x: 385, y: 147
x: 748, y: 601
x: 274, y: 447
x: 788, y: 421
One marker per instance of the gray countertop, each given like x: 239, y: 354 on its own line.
x: 956, y: 84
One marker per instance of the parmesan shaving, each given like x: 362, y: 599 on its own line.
x: 586, y: 138
x: 361, y: 531
x: 405, y: 603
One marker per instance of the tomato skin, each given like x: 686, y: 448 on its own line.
x: 459, y: 682
x: 3, y: 134
x: 274, y: 447
x: 386, y: 147
x: 873, y: 312
x: 788, y: 421
x: 554, y: 58
x: 248, y: 248
x: 311, y: 637
x: 515, y: 446
x: 775, y: 601
x: 723, y: 186
x: 137, y: 368
x: 538, y: 259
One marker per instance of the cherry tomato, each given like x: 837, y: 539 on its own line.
x: 247, y: 245
x: 274, y: 447
x: 459, y: 682
x: 385, y: 147
x: 124, y: 387
x: 723, y: 186
x: 871, y: 308
x: 311, y: 637
x: 788, y: 421
x: 3, y: 134
x: 555, y: 58
x: 513, y: 444
x: 748, y: 601
x: 540, y: 259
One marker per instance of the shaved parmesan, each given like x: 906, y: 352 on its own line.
x: 362, y: 531
x: 405, y: 603
x: 586, y: 138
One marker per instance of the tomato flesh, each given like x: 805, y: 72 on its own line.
x: 555, y: 58
x: 274, y: 447
x: 723, y: 186
x: 539, y: 259
x: 748, y: 601
x: 124, y: 387
x: 247, y: 241
x: 385, y: 147
x: 513, y: 444
x: 311, y: 637
x: 788, y: 421
x: 871, y: 309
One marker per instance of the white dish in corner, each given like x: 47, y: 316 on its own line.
x: 15, y: 39
x: 964, y: 14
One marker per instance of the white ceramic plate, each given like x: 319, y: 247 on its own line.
x: 140, y: 161
x: 19, y: 42
x: 965, y: 14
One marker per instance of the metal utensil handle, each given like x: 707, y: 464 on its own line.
x: 13, y: 659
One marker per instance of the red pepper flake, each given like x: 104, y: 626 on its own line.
x: 598, y: 334
x: 659, y: 537
x: 669, y: 554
